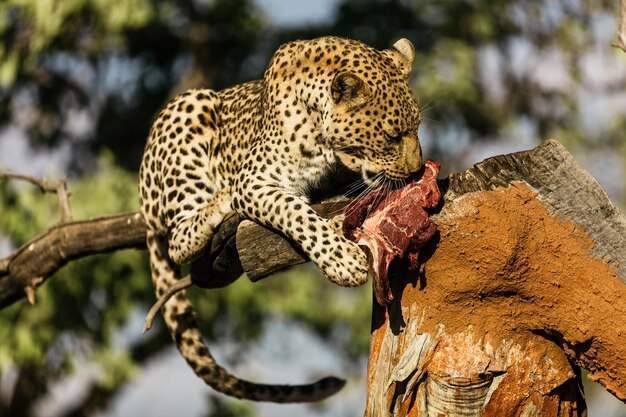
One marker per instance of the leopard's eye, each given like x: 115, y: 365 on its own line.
x: 396, y: 137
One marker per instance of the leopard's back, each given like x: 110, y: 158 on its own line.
x: 195, y: 148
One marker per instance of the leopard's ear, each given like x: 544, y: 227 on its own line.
x: 402, y: 53
x: 349, y: 89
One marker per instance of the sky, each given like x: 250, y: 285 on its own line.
x: 296, y: 13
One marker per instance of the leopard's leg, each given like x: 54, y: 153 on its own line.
x: 268, y: 203
x: 189, y: 236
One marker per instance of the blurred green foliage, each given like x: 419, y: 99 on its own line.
x: 47, y: 24
x: 116, y: 62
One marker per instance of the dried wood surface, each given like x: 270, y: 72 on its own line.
x: 563, y: 187
x: 524, y: 285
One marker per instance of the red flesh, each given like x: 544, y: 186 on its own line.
x: 397, y: 225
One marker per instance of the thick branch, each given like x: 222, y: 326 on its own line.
x: 525, y: 279
x: 36, y: 260
x: 33, y: 262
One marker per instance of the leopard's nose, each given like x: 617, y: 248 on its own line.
x: 413, y: 155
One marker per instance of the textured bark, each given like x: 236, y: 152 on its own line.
x: 524, y: 285
x: 33, y: 262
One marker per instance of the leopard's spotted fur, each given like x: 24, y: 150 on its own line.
x: 258, y: 148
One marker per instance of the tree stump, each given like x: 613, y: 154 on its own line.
x: 523, y: 285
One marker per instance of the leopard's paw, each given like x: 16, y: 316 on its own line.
x: 336, y: 223
x: 346, y: 264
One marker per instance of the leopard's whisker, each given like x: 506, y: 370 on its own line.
x: 356, y: 185
x: 380, y: 183
x: 431, y: 120
x: 424, y: 107
x: 376, y: 181
x: 351, y: 189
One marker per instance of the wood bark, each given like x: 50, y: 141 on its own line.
x: 522, y: 287
x: 37, y: 259
x: 523, y: 284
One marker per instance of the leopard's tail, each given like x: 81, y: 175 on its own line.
x: 180, y: 320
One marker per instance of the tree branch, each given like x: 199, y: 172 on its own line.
x: 33, y: 262
x: 36, y: 260
x: 154, y: 310
x: 43, y: 185
x: 621, y: 30
x: 60, y: 188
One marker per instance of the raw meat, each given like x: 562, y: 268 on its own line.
x: 394, y: 224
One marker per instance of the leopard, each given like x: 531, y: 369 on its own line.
x: 258, y: 149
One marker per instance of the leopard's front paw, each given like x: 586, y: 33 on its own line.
x: 345, y: 264
x: 336, y: 223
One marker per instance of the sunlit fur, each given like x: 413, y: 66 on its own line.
x: 257, y: 149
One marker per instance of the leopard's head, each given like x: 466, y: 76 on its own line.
x: 374, y: 119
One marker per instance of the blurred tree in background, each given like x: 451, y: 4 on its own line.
x: 81, y: 80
